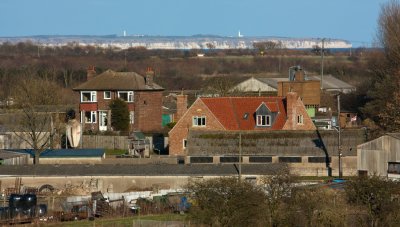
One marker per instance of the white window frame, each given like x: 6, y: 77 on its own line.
x: 263, y: 120
x: 107, y: 92
x: 129, y: 95
x: 184, y: 143
x: 93, y: 117
x: 300, y: 119
x: 199, y: 121
x: 131, y: 117
x: 93, y: 96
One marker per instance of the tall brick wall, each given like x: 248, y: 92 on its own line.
x: 309, y: 91
x: 148, y: 111
x: 184, y: 125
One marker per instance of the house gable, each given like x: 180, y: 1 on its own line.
x: 198, y: 111
x: 297, y: 116
x: 253, y: 85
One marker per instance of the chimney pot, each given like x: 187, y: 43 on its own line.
x: 91, y: 72
x: 181, y: 106
x: 149, y: 77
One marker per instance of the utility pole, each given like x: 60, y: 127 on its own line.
x: 240, y: 156
x: 322, y: 63
x: 38, y: 50
x: 339, y: 140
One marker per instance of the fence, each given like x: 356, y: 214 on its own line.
x: 107, y: 142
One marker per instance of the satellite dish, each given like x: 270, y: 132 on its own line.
x: 73, y: 132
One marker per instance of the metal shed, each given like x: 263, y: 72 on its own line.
x: 373, y: 157
x: 13, y: 158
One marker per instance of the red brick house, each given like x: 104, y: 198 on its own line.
x: 143, y: 96
x: 239, y: 114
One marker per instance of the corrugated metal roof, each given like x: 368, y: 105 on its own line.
x: 395, y: 135
x: 328, y: 82
x: 111, y: 80
x: 331, y: 82
x: 58, y: 153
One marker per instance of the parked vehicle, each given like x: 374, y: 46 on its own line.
x: 22, y: 208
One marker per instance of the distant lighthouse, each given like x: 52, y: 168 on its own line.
x: 240, y: 35
x: 124, y: 33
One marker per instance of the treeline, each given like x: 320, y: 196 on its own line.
x: 175, y: 69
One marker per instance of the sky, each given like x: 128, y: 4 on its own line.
x: 352, y: 20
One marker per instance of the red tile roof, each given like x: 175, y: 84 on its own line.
x: 230, y: 111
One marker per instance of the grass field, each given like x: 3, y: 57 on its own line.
x: 115, y: 152
x: 148, y: 220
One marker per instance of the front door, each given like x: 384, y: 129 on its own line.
x: 103, y: 121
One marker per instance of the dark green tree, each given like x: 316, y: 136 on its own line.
x: 119, y: 115
x: 227, y: 202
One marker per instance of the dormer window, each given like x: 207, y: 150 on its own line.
x: 263, y: 120
x: 264, y: 116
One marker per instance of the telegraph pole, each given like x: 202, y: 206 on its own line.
x: 339, y: 140
x: 240, y: 156
x: 322, y: 63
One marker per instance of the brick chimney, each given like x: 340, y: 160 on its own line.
x: 149, y: 76
x: 291, y: 110
x: 91, y: 72
x: 181, y: 106
x: 299, y: 74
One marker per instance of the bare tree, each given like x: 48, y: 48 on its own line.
x: 277, y: 187
x: 210, y: 46
x: 384, y: 93
x: 376, y: 195
x: 389, y: 32
x: 35, y: 118
x: 267, y: 45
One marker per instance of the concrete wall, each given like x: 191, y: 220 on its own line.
x: 5, y: 141
x: 70, y: 160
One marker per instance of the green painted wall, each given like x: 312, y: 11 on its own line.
x: 166, y: 118
x: 311, y: 111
